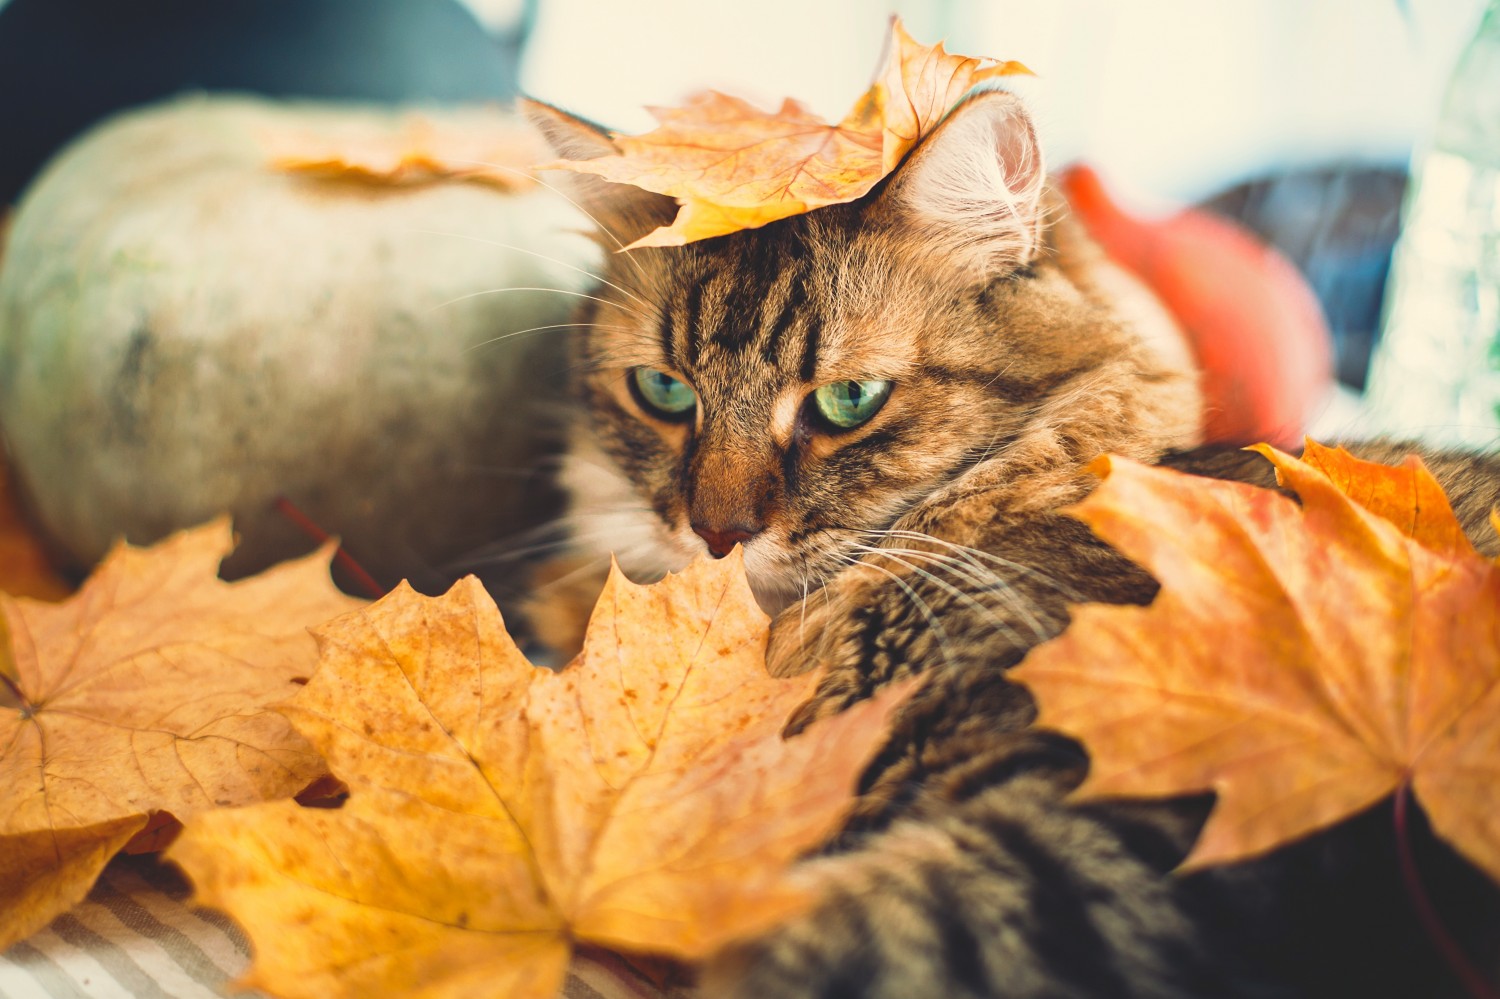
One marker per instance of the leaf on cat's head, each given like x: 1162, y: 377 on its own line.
x: 732, y: 166
x: 145, y: 696
x: 642, y: 799
x: 1303, y: 659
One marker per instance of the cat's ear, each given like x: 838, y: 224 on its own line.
x: 975, y: 184
x: 622, y: 212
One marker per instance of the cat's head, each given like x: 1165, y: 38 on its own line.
x: 797, y: 388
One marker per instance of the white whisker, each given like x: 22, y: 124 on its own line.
x: 540, y: 256
x: 938, y: 631
x: 551, y: 326
x: 558, y: 291
x: 995, y: 620
x: 530, y: 176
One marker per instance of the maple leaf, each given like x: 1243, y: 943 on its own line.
x: 143, y: 694
x: 732, y: 166
x: 481, y: 145
x: 1302, y: 661
x: 641, y: 799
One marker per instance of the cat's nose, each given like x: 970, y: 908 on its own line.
x: 721, y: 541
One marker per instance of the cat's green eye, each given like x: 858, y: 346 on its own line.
x: 846, y: 405
x: 662, y: 395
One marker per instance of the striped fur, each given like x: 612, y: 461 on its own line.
x: 927, y: 541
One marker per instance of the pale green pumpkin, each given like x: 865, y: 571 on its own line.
x: 184, y: 331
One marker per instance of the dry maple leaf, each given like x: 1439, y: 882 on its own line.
x: 1302, y: 661
x: 145, y: 693
x: 732, y: 166
x: 642, y: 799
x: 481, y: 145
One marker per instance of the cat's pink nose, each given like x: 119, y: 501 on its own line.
x: 720, y: 542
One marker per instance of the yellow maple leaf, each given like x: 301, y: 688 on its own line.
x: 732, y: 166
x: 145, y: 693
x: 642, y: 799
x: 1302, y: 661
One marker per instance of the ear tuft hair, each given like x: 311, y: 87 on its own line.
x: 975, y: 184
x: 622, y: 212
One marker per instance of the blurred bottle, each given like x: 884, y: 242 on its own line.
x: 1436, y: 372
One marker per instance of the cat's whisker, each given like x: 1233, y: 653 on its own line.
x: 969, y: 570
x: 538, y: 329
x: 530, y: 177
x: 567, y: 530
x: 938, y: 631
x: 802, y: 624
x: 901, y: 556
x: 998, y: 588
x: 540, y: 256
x: 986, y: 579
x: 979, y: 553
x: 590, y: 566
x: 557, y: 291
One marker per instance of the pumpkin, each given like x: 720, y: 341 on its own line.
x: 185, y: 331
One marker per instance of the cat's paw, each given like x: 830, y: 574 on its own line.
x: 842, y: 631
x: 863, y: 630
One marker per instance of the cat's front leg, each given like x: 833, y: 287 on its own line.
x: 1007, y: 895
x: 925, y: 598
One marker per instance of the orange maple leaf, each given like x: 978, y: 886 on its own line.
x: 1302, y: 661
x: 732, y: 166
x: 641, y: 799
x: 482, y: 145
x: 145, y: 693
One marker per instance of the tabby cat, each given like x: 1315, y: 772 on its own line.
x: 885, y: 403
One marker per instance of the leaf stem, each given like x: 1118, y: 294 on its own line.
x: 308, y: 526
x: 1466, y: 973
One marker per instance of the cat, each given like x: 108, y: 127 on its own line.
x: 886, y: 403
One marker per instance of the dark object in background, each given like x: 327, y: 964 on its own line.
x: 64, y: 64
x: 1338, y: 226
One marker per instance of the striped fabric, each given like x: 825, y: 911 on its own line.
x: 137, y: 938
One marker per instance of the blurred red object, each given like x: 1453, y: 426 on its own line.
x: 1254, y: 323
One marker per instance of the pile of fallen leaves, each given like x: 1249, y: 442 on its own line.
x: 642, y: 799
x: 499, y: 814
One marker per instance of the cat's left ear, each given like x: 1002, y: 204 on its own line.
x: 622, y: 211
x: 975, y: 184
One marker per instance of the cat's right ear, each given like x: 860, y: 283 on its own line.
x: 623, y: 212
x: 974, y: 186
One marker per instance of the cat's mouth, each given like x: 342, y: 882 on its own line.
x: 778, y: 577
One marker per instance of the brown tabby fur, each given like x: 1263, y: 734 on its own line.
x: 927, y: 541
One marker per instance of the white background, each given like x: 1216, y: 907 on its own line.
x: 1172, y: 98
